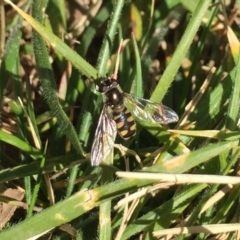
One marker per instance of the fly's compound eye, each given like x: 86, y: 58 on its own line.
x: 102, y: 87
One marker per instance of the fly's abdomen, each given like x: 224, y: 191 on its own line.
x: 125, y: 123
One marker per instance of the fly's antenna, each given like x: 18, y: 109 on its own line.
x: 120, y: 49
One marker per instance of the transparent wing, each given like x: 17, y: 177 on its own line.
x: 104, y: 137
x: 148, y: 111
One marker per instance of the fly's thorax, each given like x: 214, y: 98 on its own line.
x: 114, y: 98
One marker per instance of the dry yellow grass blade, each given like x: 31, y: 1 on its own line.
x: 181, y: 178
x: 210, y: 229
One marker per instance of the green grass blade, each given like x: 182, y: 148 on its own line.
x: 49, y: 86
x: 109, y: 38
x: 138, y: 70
x: 233, y: 108
x: 52, y: 166
x: 84, y: 201
x: 83, y: 66
x: 20, y: 144
x: 181, y: 51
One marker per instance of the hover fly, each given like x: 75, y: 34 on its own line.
x: 118, y: 115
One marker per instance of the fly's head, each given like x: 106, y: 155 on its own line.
x: 112, y: 92
x: 106, y: 85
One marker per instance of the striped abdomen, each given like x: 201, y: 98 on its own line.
x: 125, y: 123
